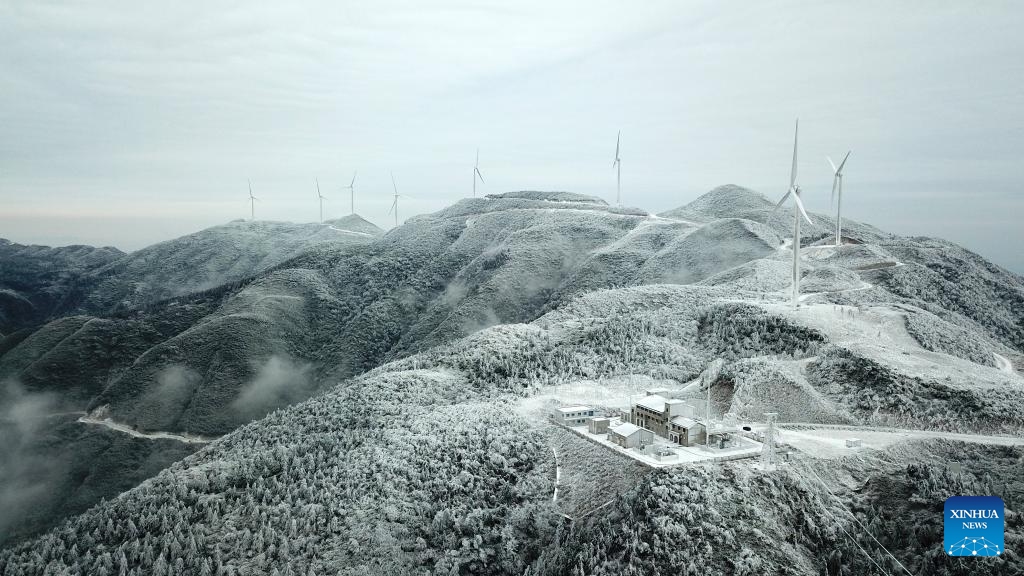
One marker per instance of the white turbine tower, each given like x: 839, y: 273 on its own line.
x: 617, y: 164
x: 394, y: 205
x: 837, y: 183
x: 476, y: 172
x: 352, y: 191
x: 798, y: 211
x: 321, y: 197
x: 252, y: 203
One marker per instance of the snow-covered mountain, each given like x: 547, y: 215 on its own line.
x: 438, y: 345
x: 39, y: 282
x: 214, y: 257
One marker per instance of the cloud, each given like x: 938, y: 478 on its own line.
x: 176, y: 383
x: 174, y: 390
x: 279, y: 382
x: 26, y: 477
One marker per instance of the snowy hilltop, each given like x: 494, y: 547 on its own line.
x: 356, y: 402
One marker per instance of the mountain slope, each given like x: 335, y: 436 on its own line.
x: 341, y: 308
x: 213, y: 257
x: 210, y: 361
x: 443, y: 462
x: 39, y: 282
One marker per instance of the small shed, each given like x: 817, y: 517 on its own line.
x: 630, y: 435
x: 598, y: 425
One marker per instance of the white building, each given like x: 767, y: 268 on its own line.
x: 576, y: 415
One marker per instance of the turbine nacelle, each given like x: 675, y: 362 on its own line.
x: 476, y: 172
x: 794, y: 191
x: 476, y: 168
x: 837, y: 178
x: 837, y: 186
x: 618, y: 140
x: 617, y: 166
x: 394, y: 204
x: 252, y: 202
x: 352, y: 191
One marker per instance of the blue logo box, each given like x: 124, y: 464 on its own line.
x: 973, y: 526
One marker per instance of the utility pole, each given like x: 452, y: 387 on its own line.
x: 707, y: 415
x: 768, y: 453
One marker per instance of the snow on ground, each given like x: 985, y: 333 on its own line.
x: 616, y: 393
x: 349, y: 231
x: 747, y: 448
x: 674, y: 220
x: 863, y: 286
x: 880, y: 332
x: 818, y: 251
x: 635, y: 234
x: 830, y: 441
x: 1004, y: 364
x: 186, y: 438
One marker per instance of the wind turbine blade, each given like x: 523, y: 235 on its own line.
x: 477, y: 170
x: 395, y: 186
x: 832, y: 198
x: 781, y: 202
x: 843, y: 163
x: 393, y: 205
x: 800, y: 205
x: 353, y: 182
x: 477, y: 158
x: 317, y: 186
x: 618, y: 139
x: 832, y: 164
x: 796, y: 136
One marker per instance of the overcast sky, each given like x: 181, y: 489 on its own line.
x: 131, y: 122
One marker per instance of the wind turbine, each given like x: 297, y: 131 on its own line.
x: 394, y: 205
x: 837, y: 183
x: 798, y: 211
x: 617, y: 164
x: 352, y: 191
x: 321, y: 197
x: 476, y: 172
x: 252, y: 203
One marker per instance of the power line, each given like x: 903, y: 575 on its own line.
x: 854, y: 516
x: 857, y: 544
